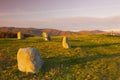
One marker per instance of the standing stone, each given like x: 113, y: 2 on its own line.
x: 20, y: 35
x: 46, y: 36
x: 65, y: 42
x: 29, y: 60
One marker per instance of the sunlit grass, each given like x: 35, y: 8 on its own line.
x: 92, y: 57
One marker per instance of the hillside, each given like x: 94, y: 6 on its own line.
x: 34, y: 31
x: 54, y: 32
x: 91, y: 57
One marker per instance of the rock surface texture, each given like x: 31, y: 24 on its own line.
x: 65, y: 42
x: 29, y: 60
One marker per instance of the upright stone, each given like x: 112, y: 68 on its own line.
x: 20, y: 35
x: 29, y: 60
x: 65, y: 42
x: 46, y: 36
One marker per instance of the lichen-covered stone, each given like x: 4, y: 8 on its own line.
x: 46, y: 36
x: 29, y: 60
x: 20, y: 35
x: 65, y: 42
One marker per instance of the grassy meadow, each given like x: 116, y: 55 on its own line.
x: 91, y: 57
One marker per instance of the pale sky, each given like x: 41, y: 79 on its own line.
x: 61, y: 14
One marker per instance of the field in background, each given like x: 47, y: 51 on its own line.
x: 92, y: 57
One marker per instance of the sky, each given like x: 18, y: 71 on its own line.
x: 70, y: 15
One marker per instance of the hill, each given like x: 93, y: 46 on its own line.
x: 92, y: 32
x: 34, y: 31
x: 54, y: 32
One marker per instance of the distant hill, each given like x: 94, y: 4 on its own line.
x: 38, y: 32
x: 34, y: 31
x: 92, y: 32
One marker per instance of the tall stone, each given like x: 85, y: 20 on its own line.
x: 46, y: 36
x: 29, y: 60
x: 20, y: 35
x: 65, y: 42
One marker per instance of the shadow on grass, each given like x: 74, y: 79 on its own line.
x: 117, y: 36
x: 76, y: 40
x: 55, y: 62
x: 96, y: 45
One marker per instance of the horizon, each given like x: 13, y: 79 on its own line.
x: 110, y: 30
x: 71, y: 15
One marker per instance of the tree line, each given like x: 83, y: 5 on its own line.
x: 11, y: 35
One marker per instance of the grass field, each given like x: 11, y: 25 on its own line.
x: 92, y: 57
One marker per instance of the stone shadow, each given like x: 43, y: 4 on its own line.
x: 55, y: 62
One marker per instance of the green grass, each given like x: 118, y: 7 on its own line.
x: 92, y: 57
